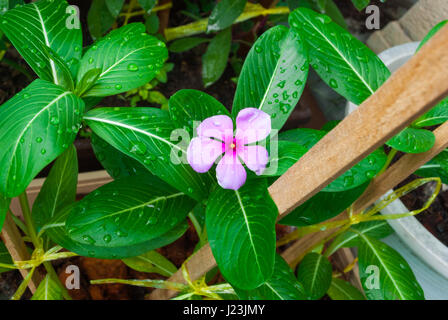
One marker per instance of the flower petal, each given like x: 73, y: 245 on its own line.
x: 218, y: 127
x: 255, y: 157
x: 203, y: 152
x: 252, y: 125
x: 230, y: 172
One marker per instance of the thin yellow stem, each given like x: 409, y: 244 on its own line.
x: 142, y: 12
x: 24, y: 203
x: 200, y: 26
x: 128, y: 13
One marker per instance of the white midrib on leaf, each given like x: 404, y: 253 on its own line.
x: 367, y: 241
x: 47, y: 285
x: 340, y: 53
x: 243, y: 210
x: 58, y: 189
x: 55, y: 100
x: 141, y: 205
x: 430, y: 166
x: 270, y: 82
x: 47, y: 42
x: 334, y: 284
x: 273, y: 290
x: 132, y: 128
x: 419, y: 123
x: 373, y: 227
x: 316, y: 267
x: 154, y: 264
x: 120, y: 61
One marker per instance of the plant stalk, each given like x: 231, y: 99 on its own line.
x: 24, y: 204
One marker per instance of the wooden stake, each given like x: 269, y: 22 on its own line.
x: 87, y: 182
x: 399, y: 171
x: 16, y: 247
x: 344, y: 257
x: 409, y: 92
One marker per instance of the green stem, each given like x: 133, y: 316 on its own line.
x: 24, y: 204
x: 198, y: 228
x: 389, y: 159
x: 21, y: 289
x: 49, y: 267
x: 128, y: 13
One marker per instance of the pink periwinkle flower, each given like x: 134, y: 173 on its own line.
x: 215, y: 137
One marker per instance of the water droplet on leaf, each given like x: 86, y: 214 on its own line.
x: 132, y: 67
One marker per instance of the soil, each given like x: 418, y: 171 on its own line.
x: 435, y: 218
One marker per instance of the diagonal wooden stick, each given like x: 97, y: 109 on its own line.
x: 399, y: 171
x: 13, y: 241
x: 409, y: 92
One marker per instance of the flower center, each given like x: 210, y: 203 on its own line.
x: 232, y: 145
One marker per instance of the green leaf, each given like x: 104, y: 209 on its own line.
x: 288, y: 153
x: 294, y: 4
x: 59, y: 188
x: 144, y: 134
x: 36, y: 126
x: 437, y: 167
x: 413, y: 140
x: 224, y: 14
x: 127, y: 211
x: 87, y: 81
x: 116, y: 163
x: 241, y: 232
x: 435, y: 116
x: 319, y: 4
x: 360, y: 4
x: 114, y: 6
x: 63, y: 73
x: 128, y: 58
x: 332, y: 10
x: 322, y: 206
x: 341, y: 60
x: 304, y: 136
x: 147, y: 5
x: 432, y: 32
x: 152, y: 23
x: 273, y: 75
x: 188, y: 106
x: 385, y: 275
x: 186, y: 44
x: 349, y: 239
x: 99, y: 18
x: 57, y: 232
x: 343, y: 290
x: 329, y: 8
x: 5, y: 257
x: 6, y: 5
x: 283, y: 285
x: 48, y: 289
x: 151, y: 262
x: 315, y: 274
x: 4, y: 207
x: 214, y: 60
x: 330, y: 125
x: 359, y: 174
x: 43, y: 23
